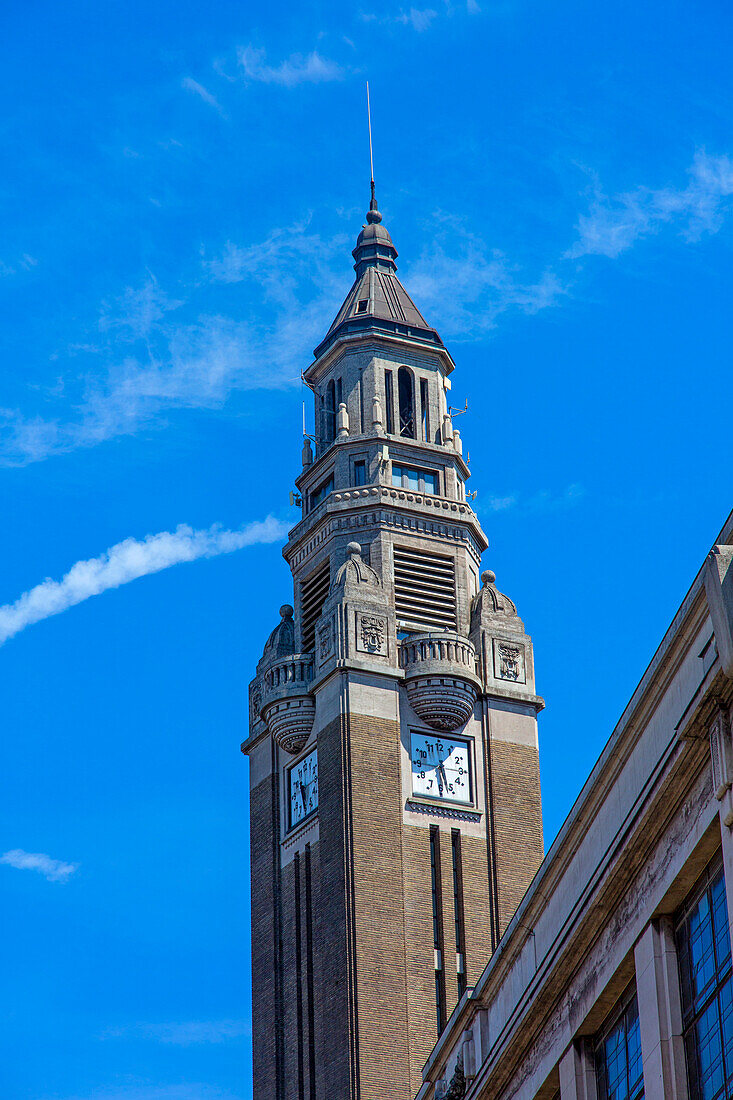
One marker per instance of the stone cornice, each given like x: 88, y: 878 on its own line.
x: 380, y: 506
x: 411, y: 344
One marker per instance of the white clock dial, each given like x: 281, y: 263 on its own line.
x: 441, y: 767
x: 304, y: 788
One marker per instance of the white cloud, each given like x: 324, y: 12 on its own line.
x: 297, y: 69
x: 463, y: 286
x: 189, y: 1033
x: 55, y: 870
x: 125, y: 562
x: 614, y: 224
x: 203, y: 93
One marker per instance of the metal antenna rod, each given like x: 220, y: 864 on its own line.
x: 371, y: 154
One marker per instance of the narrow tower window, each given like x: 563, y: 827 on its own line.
x: 313, y: 593
x: 329, y: 426
x: 406, y: 393
x: 389, y: 402
x: 458, y: 911
x: 424, y: 411
x: 436, y: 892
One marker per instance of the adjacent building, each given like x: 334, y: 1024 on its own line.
x: 613, y: 978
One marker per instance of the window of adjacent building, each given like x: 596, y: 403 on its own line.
x: 320, y: 493
x: 703, y: 948
x: 424, y: 410
x: 410, y: 477
x: 359, y: 474
x: 406, y: 398
x: 618, y: 1054
x: 388, y: 402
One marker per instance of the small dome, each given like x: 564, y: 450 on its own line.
x: 282, y: 640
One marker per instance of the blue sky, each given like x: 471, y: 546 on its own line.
x: 182, y: 187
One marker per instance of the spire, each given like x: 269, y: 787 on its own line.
x: 374, y: 246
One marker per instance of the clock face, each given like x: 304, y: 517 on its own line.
x: 441, y: 767
x: 304, y: 788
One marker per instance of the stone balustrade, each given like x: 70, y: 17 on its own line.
x: 440, y: 677
x: 286, y: 704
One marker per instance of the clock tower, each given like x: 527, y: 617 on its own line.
x: 394, y: 776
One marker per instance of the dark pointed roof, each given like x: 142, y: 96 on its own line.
x: 377, y: 300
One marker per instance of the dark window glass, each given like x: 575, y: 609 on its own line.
x: 329, y: 418
x: 435, y: 890
x: 360, y: 473
x: 703, y: 947
x: 406, y: 395
x: 389, y: 402
x: 618, y: 1056
x: 320, y: 493
x: 362, y: 305
x: 420, y: 481
x: 424, y: 414
x: 458, y: 907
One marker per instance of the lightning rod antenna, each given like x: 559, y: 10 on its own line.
x: 371, y: 153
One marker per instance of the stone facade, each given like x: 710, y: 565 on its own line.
x: 598, y: 956
x: 394, y: 779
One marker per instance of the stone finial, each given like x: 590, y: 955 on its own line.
x: 490, y: 600
x: 286, y: 611
x: 457, y: 443
x: 307, y: 452
x: 377, y: 425
x: 342, y: 421
x: 355, y: 570
x: 447, y: 431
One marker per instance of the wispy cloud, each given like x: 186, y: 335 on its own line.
x: 158, y: 359
x: 417, y: 18
x: 203, y: 93
x: 543, y: 501
x: 464, y: 285
x: 297, y: 69
x: 189, y: 1033
x: 125, y: 562
x: 615, y: 223
x: 55, y: 870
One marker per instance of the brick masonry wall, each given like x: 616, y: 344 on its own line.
x: 517, y: 813
x: 266, y: 1024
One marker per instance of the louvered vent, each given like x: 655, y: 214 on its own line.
x: 425, y: 588
x: 313, y: 592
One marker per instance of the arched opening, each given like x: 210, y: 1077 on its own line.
x: 329, y: 425
x: 406, y: 395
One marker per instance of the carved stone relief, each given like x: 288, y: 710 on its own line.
x: 325, y: 641
x: 509, y: 661
x: 371, y: 633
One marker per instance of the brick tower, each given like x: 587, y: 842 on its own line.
x: 394, y: 776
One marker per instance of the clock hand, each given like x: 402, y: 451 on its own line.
x: 441, y: 771
x: 302, y: 794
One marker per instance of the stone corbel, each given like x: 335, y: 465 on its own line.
x: 719, y: 590
x: 721, y: 753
